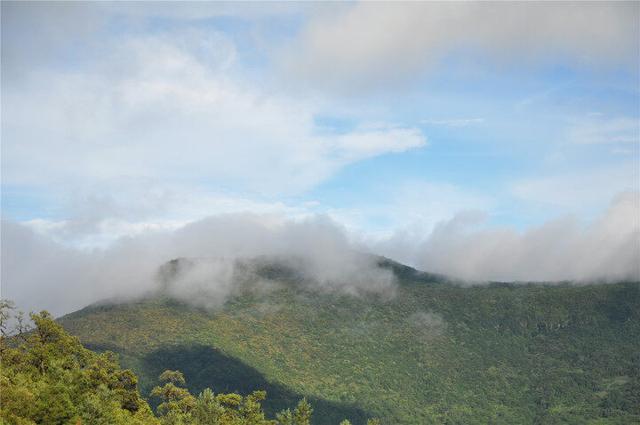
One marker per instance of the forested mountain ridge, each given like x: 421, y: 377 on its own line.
x: 434, y: 352
x: 48, y: 377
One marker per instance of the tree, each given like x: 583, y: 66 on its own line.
x: 179, y: 407
x: 177, y: 402
x: 301, y: 415
x: 48, y: 377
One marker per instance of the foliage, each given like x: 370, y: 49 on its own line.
x: 301, y: 415
x: 48, y: 377
x: 434, y: 353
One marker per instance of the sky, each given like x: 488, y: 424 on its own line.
x: 482, y: 140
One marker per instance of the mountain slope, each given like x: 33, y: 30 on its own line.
x: 432, y: 353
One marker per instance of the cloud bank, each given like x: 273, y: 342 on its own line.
x: 38, y: 273
x: 367, y: 44
x: 562, y: 249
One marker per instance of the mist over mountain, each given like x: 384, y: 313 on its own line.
x: 332, y: 258
x: 605, y: 249
x: 129, y: 268
x: 437, y: 350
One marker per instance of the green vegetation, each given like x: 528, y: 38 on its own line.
x: 434, y: 353
x: 48, y: 377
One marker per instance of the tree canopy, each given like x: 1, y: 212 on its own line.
x: 48, y: 377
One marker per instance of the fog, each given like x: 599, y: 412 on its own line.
x: 38, y: 273
x: 608, y: 248
x: 427, y: 324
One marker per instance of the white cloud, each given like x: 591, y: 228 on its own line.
x: 68, y: 278
x: 100, y: 215
x: 563, y: 249
x: 36, y: 34
x: 413, y: 205
x: 165, y: 107
x: 40, y: 273
x: 368, y: 44
x: 207, y: 10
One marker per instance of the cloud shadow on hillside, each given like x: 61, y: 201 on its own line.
x: 204, y: 366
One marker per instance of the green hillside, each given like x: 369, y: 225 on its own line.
x: 436, y: 352
x: 47, y: 377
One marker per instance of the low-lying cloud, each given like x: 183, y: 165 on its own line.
x: 427, y: 325
x: 562, y: 249
x: 38, y: 273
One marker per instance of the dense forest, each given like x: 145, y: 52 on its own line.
x: 48, y: 377
x: 435, y: 352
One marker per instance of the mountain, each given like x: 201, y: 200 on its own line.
x: 433, y: 351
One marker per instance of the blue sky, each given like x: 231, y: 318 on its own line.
x: 126, y: 118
